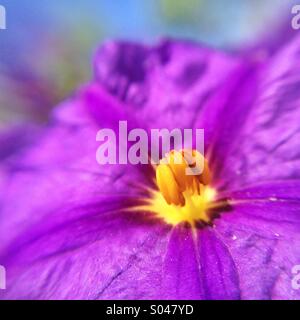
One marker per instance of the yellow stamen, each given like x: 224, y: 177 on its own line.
x: 173, y: 179
x: 182, y: 197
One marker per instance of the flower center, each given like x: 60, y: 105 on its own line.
x: 180, y: 174
x: 183, y: 194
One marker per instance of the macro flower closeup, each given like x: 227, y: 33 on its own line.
x: 80, y: 230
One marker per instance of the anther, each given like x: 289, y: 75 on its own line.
x: 182, y: 172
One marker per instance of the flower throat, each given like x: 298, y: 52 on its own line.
x: 182, y: 197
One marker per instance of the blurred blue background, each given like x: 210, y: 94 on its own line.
x: 46, y: 50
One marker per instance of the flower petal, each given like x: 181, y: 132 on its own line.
x: 262, y: 235
x: 198, y: 267
x: 96, y: 256
x: 266, y: 146
x: 60, y: 169
x: 168, y: 84
x: 181, y: 271
x: 218, y: 270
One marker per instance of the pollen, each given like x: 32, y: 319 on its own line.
x: 181, y: 173
x: 183, y: 191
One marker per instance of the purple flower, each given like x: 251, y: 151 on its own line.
x: 71, y: 229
